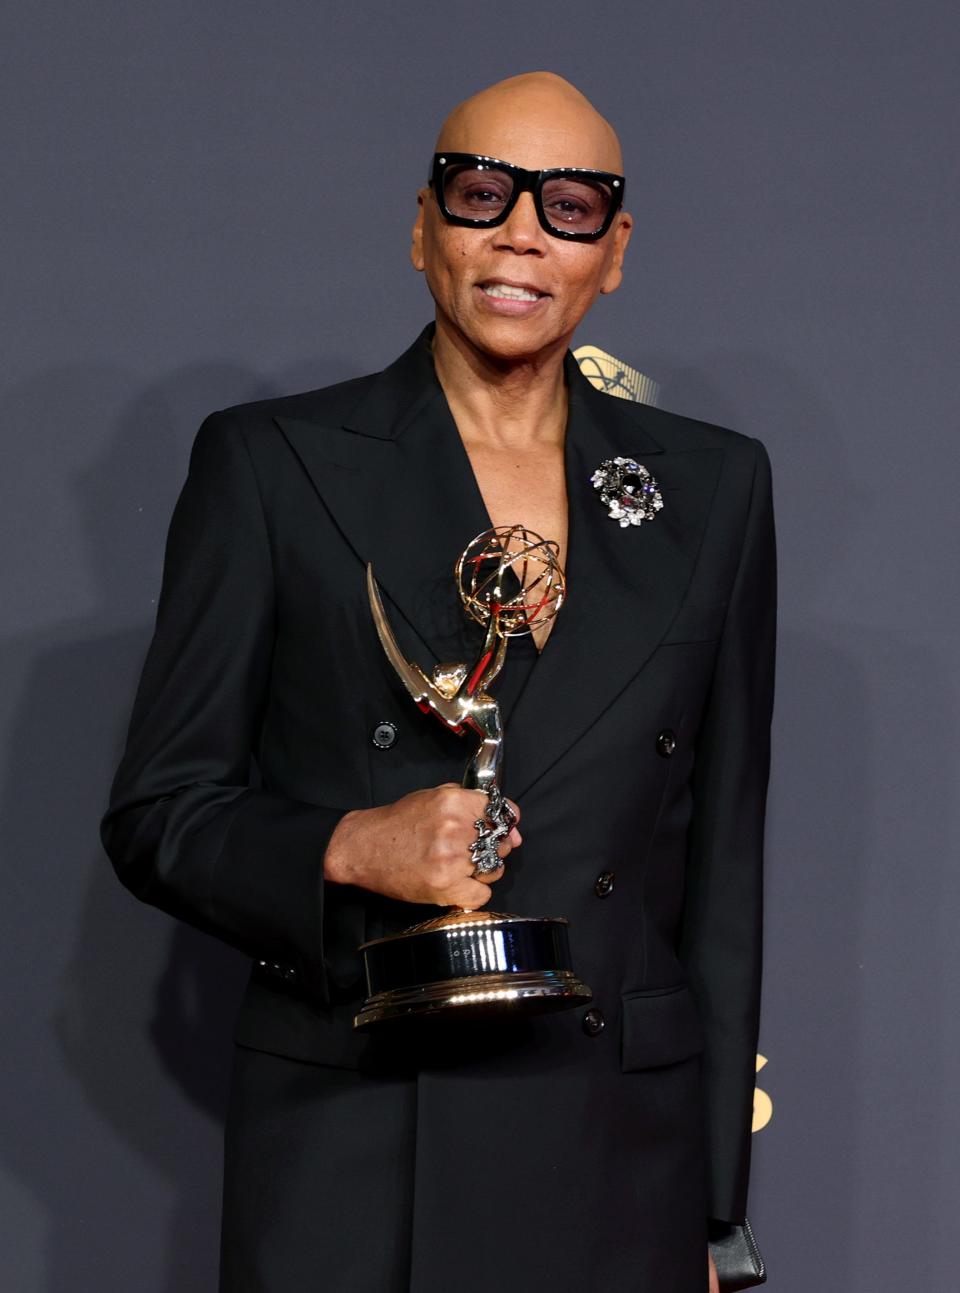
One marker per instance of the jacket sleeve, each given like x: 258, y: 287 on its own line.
x: 185, y: 829
x: 721, y: 938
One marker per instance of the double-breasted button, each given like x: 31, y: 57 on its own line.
x: 603, y: 885
x: 666, y: 743
x: 384, y: 735
x: 594, y: 1022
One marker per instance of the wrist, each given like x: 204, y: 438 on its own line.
x: 338, y: 862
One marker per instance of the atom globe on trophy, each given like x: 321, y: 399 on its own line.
x: 477, y: 962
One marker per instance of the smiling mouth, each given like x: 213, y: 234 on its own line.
x: 507, y: 292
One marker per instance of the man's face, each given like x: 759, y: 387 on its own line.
x: 467, y: 269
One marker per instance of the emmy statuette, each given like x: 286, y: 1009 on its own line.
x: 475, y: 962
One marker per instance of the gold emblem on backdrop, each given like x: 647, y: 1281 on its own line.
x: 762, y: 1104
x: 614, y: 377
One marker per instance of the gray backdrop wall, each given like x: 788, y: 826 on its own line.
x: 207, y: 203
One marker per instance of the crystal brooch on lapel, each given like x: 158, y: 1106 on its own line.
x: 627, y: 490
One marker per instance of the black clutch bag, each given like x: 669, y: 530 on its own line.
x: 736, y: 1256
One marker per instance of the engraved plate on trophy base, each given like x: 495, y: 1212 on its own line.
x: 470, y: 962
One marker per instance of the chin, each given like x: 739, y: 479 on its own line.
x: 512, y: 342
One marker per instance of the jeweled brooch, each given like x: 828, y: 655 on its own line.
x: 628, y: 490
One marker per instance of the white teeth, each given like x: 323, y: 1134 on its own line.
x: 510, y: 293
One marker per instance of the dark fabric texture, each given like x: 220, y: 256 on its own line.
x: 318, y: 1179
x: 341, y: 1180
x: 637, y: 744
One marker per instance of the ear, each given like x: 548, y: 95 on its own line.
x: 416, y: 246
x: 621, y: 236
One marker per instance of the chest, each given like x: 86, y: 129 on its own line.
x: 526, y: 488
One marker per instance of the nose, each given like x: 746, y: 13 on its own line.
x: 521, y: 231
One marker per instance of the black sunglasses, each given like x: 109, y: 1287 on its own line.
x: 480, y: 192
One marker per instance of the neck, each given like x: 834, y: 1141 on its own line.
x: 502, y: 402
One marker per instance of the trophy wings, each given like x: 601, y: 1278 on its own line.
x: 420, y: 687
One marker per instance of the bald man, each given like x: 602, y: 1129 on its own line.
x: 565, y: 1152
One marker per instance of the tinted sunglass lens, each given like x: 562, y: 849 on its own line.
x: 576, y: 204
x: 476, y: 192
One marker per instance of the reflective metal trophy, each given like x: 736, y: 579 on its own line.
x: 475, y: 962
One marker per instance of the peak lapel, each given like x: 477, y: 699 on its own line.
x: 624, y: 584
x: 399, y: 485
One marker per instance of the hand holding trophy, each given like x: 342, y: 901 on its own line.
x: 509, y: 580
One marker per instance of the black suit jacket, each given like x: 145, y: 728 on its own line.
x: 640, y: 745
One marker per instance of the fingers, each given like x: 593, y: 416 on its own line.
x: 471, y: 895
x: 513, y: 806
x: 491, y: 877
x: 515, y: 838
x: 453, y: 881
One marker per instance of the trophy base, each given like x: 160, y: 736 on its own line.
x: 536, y: 993
x: 470, y: 963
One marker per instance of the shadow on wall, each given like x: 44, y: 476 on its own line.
x: 115, y: 1002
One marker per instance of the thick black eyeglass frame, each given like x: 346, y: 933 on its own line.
x: 524, y: 181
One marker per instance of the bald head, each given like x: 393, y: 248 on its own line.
x: 536, y: 120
